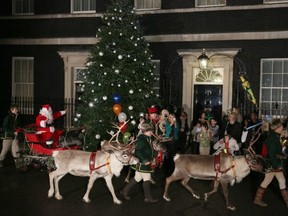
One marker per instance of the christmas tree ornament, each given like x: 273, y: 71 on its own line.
x: 117, y: 109
x: 122, y: 117
x: 131, y: 91
x: 120, y: 57
x: 97, y: 136
x: 133, y: 122
x: 91, y: 104
x: 117, y: 71
x: 104, y: 98
x: 130, y: 107
x: 126, y: 137
x: 116, y: 98
x: 123, y: 126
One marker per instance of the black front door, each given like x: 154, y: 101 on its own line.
x: 208, y: 98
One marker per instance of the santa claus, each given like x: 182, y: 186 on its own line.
x: 45, y: 128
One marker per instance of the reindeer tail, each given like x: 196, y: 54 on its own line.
x: 55, y: 153
x: 176, y: 157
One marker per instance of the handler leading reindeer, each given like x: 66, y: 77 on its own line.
x: 146, y: 153
x: 104, y: 163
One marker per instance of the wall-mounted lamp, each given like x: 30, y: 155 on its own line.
x: 203, y: 60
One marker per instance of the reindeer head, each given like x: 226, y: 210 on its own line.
x: 255, y: 162
x: 123, y: 152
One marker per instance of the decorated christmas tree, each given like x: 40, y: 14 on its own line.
x: 118, y: 81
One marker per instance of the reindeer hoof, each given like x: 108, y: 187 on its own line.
x: 50, y: 194
x: 166, y: 198
x: 86, y: 200
x: 230, y: 207
x: 58, y: 197
x: 118, y: 202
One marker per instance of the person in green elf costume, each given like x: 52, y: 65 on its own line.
x: 146, y: 154
x: 275, y: 166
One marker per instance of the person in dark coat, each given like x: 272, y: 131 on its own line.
x: 10, y: 124
x: 146, y: 154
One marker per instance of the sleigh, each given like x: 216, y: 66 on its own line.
x: 35, y: 151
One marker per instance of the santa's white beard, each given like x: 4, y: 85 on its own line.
x: 48, y: 115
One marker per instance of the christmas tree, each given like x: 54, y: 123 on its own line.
x: 118, y: 81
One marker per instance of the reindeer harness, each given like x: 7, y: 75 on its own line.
x: 218, y: 170
x: 92, y: 163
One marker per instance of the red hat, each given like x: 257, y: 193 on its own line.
x: 47, y: 107
x: 152, y: 110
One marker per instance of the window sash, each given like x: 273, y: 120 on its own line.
x: 23, y: 7
x: 208, y: 3
x: 23, y: 77
x: 147, y: 4
x: 274, y: 86
x: 81, y: 6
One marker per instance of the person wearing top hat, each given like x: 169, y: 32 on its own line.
x: 45, y: 127
x: 146, y: 154
x: 10, y: 124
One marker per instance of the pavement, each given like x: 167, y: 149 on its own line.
x: 25, y: 194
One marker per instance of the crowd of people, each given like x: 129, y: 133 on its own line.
x: 206, y: 136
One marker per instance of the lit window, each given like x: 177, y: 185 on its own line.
x: 207, y: 3
x: 80, y: 6
x: 22, y: 7
x: 147, y: 4
x: 274, y: 87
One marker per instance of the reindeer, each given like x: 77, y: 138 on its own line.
x: 230, y: 170
x: 104, y: 163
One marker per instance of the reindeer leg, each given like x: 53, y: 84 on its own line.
x: 127, y: 179
x: 169, y: 180
x: 57, y: 192
x: 89, y: 187
x: 108, y: 180
x: 51, y: 181
x: 184, y: 182
x: 215, y: 188
x: 226, y: 195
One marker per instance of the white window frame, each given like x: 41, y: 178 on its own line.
x: 207, y: 4
x: 23, y: 79
x: 270, y: 109
x: 73, y: 11
x: 274, y: 1
x: 22, y: 12
x: 76, y: 82
x: 148, y: 4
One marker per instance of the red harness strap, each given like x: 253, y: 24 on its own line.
x: 92, y: 163
x: 217, y: 167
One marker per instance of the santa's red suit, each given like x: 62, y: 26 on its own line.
x: 45, y: 128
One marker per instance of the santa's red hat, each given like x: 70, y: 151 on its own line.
x: 152, y: 110
x: 46, y: 108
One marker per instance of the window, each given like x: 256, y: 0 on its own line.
x: 156, y: 86
x: 80, y: 6
x: 147, y: 4
x: 274, y: 87
x: 78, y: 81
x: 22, y: 7
x: 275, y: 1
x: 205, y: 3
x: 23, y: 80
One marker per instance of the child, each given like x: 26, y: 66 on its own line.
x: 194, y: 133
x: 204, y: 137
x: 226, y: 145
x: 215, y: 132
